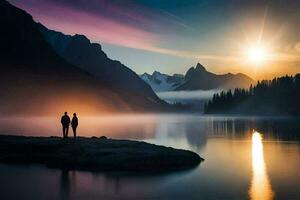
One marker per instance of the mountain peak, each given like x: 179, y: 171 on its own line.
x: 200, y: 67
x: 198, y: 78
x: 161, y: 82
x: 156, y: 73
x: 145, y: 74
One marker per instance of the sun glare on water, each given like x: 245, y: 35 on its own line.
x: 260, y: 188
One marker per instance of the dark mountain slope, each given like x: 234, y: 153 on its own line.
x: 197, y: 78
x: 79, y: 51
x: 35, y: 79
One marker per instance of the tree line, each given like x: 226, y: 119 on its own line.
x: 280, y: 96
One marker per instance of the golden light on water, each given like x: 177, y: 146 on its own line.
x: 260, y: 188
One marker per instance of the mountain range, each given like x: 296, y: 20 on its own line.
x: 79, y: 51
x: 162, y: 82
x: 196, y: 78
x: 46, y: 72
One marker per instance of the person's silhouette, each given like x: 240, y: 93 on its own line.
x: 65, y: 121
x: 74, y: 124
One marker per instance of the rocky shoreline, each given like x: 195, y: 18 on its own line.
x: 95, y: 154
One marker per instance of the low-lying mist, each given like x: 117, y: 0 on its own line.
x: 196, y: 99
x: 187, y: 95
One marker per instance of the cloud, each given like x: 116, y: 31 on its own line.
x: 105, y: 22
x: 96, y: 27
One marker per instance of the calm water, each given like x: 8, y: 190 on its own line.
x: 245, y: 158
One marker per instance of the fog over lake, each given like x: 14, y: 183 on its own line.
x: 196, y: 98
x: 187, y: 95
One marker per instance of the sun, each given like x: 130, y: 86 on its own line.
x: 256, y: 54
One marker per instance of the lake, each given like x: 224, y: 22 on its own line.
x: 255, y: 158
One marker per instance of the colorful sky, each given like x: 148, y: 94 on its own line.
x: 256, y: 37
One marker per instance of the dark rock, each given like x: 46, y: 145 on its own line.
x: 95, y: 155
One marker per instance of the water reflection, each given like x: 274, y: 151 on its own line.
x: 67, y: 182
x: 196, y: 128
x: 223, y: 141
x: 260, y: 188
x: 278, y: 128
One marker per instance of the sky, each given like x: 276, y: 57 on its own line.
x: 258, y: 37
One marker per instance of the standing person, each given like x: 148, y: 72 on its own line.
x: 65, y: 122
x: 74, y: 124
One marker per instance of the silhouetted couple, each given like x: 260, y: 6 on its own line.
x: 65, y: 121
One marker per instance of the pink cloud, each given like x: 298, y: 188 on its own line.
x: 96, y: 27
